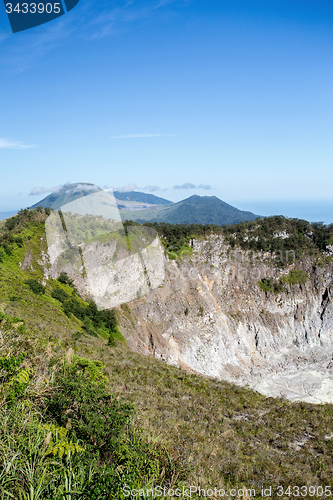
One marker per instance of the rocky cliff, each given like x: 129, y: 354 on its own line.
x: 210, y: 316
x: 205, y: 311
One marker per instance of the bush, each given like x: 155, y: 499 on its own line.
x: 94, y: 321
x: 60, y: 295
x: 2, y: 254
x: 66, y: 280
x: 81, y: 402
x: 295, y: 277
x: 266, y: 285
x: 36, y: 287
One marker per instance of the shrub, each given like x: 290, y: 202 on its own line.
x: 13, y: 380
x: 94, y: 321
x: 297, y: 277
x: 266, y: 285
x: 65, y: 279
x: 95, y: 416
x: 36, y: 287
x: 2, y: 254
x: 60, y: 295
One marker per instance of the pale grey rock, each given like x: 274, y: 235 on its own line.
x: 206, y: 313
x: 211, y: 317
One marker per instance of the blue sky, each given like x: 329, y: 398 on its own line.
x: 235, y: 95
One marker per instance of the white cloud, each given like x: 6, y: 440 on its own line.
x: 69, y: 187
x: 76, y: 188
x: 37, y: 190
x: 151, y: 189
x: 186, y: 185
x: 126, y: 189
x: 140, y: 136
x: 8, y: 144
x: 134, y: 187
x: 189, y: 185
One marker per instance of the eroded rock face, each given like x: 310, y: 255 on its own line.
x: 210, y: 316
x: 206, y: 313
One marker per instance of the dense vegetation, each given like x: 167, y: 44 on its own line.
x: 273, y: 234
x: 80, y: 418
x: 176, y: 238
x: 93, y: 321
x: 279, y: 233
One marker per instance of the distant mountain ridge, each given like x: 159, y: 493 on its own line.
x: 141, y: 198
x: 193, y: 210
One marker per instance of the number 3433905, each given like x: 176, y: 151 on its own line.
x: 33, y: 8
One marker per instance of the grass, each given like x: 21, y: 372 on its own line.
x: 228, y: 435
x: 62, y: 434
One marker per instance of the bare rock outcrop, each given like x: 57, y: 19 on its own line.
x: 210, y: 316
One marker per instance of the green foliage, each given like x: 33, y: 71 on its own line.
x: 2, y: 254
x: 71, y: 438
x: 13, y: 381
x: 176, y: 239
x: 60, y: 294
x: 280, y: 235
x: 10, y: 363
x: 66, y: 280
x: 294, y: 277
x: 90, y: 368
x: 297, y: 277
x: 266, y: 285
x: 284, y: 238
x: 225, y: 434
x: 96, y: 417
x: 58, y: 445
x: 36, y: 287
x: 94, y: 322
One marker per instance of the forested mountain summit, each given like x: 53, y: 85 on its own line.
x: 203, y: 210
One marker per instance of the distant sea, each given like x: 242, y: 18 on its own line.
x: 5, y: 215
x: 311, y: 211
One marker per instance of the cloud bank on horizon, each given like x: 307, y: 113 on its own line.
x: 189, y: 185
x: 38, y: 190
